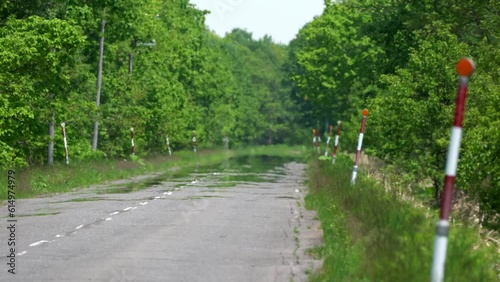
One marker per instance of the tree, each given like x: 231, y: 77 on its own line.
x: 36, y: 55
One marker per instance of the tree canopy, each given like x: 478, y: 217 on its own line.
x: 397, y: 58
x: 163, y: 73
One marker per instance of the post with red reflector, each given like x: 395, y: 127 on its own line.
x: 318, y: 141
x: 132, y: 139
x: 314, y: 141
x: 360, y: 143
x: 63, y: 126
x: 465, y: 68
x: 337, y: 136
x: 328, y: 140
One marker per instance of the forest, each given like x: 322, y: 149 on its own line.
x: 163, y: 72
x: 397, y: 59
x: 103, y: 67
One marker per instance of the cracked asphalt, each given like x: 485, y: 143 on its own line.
x: 205, y: 226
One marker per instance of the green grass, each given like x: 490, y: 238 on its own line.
x: 59, y: 178
x: 371, y: 235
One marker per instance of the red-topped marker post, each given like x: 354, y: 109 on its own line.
x: 364, y: 113
x: 328, y: 140
x: 315, y: 140
x: 337, y: 136
x: 318, y: 141
x: 465, y: 68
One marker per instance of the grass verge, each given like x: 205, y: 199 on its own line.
x: 371, y: 235
x: 60, y: 178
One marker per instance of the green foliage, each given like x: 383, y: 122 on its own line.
x: 479, y: 170
x: 34, y: 73
x: 334, y: 59
x: 397, y: 58
x: 341, y: 254
x: 416, y: 107
x: 163, y: 73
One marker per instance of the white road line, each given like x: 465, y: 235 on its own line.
x: 78, y: 227
x: 38, y: 243
x: 134, y: 208
x: 114, y: 213
x: 108, y: 219
x: 21, y: 253
x: 143, y: 204
x: 167, y: 193
x: 126, y: 209
x: 59, y: 236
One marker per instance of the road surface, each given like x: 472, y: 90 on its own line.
x: 209, y: 226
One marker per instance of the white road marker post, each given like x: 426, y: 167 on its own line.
x: 63, y: 126
x: 318, y: 143
x: 168, y: 145
x: 193, y: 141
x: 465, y: 68
x: 337, y: 137
x: 132, y: 139
x: 328, y: 140
x: 314, y: 139
x: 360, y: 143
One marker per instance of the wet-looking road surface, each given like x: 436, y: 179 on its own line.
x: 243, y: 220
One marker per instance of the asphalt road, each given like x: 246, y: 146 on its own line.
x: 194, y: 228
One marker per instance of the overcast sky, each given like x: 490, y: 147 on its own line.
x: 281, y: 19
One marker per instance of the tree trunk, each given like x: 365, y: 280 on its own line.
x: 99, y: 79
x: 50, y: 153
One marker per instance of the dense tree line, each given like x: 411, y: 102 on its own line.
x: 163, y: 72
x: 397, y: 58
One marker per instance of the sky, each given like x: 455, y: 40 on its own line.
x: 281, y: 19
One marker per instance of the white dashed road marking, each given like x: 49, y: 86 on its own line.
x: 80, y: 226
x: 38, y: 243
